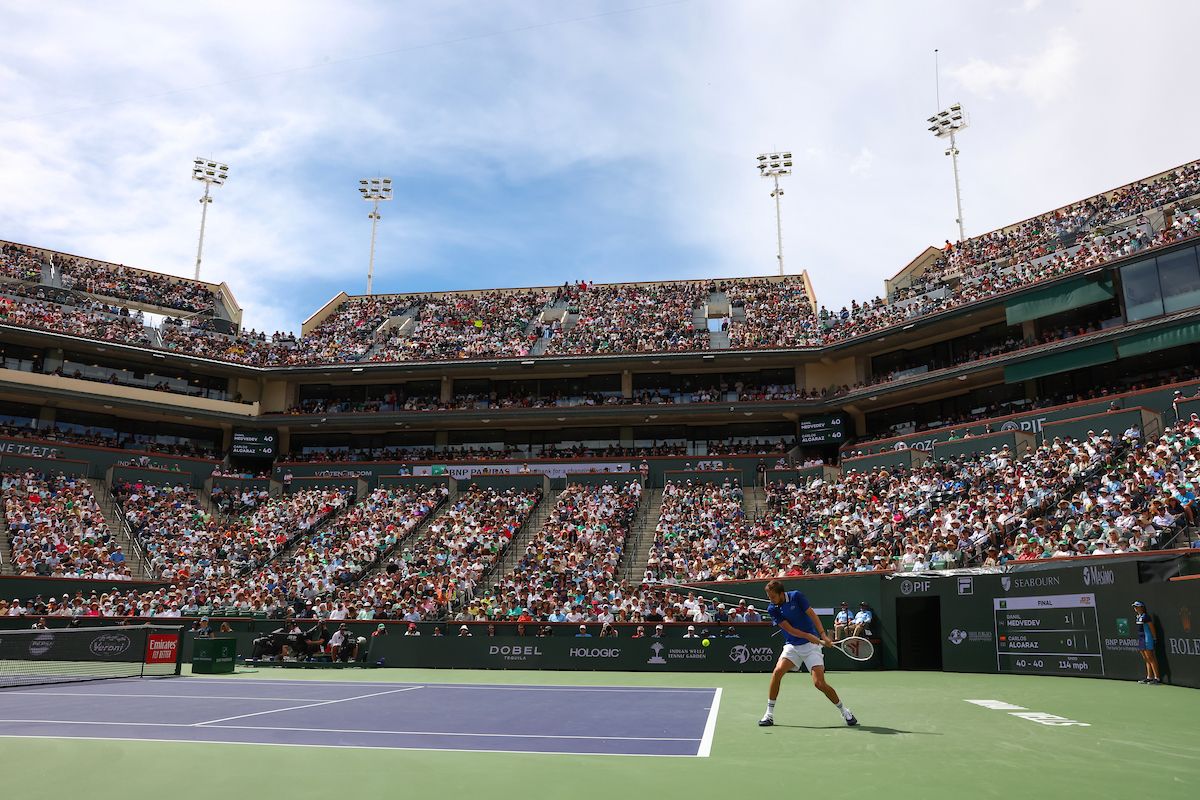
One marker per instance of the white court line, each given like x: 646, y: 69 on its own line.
x: 306, y: 705
x: 342, y: 746
x: 164, y: 696
x: 485, y: 735
x: 526, y: 688
x: 352, y: 730
x: 710, y: 726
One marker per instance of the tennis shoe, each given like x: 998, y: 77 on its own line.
x: 766, y: 722
x: 851, y: 720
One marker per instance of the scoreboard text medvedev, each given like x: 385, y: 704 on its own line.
x: 253, y: 444
x: 829, y: 429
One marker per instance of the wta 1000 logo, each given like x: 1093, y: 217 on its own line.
x: 744, y: 654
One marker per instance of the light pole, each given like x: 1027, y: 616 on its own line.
x: 944, y: 125
x: 211, y: 174
x: 775, y: 166
x: 374, y: 190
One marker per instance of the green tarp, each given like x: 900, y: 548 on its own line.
x: 1163, y: 339
x: 1060, y: 362
x: 1075, y: 293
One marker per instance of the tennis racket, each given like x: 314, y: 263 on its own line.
x: 856, y: 647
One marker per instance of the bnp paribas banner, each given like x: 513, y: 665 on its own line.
x: 551, y: 469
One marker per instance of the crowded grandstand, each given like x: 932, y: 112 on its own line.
x: 571, y: 453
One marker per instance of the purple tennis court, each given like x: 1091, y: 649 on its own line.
x: 593, y: 720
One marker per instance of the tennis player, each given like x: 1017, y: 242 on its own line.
x: 803, y: 635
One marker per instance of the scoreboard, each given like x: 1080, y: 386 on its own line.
x: 1050, y: 635
x: 253, y: 444
x: 830, y: 429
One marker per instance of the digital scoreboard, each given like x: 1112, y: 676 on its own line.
x: 1049, y: 635
x: 253, y: 444
x: 829, y: 429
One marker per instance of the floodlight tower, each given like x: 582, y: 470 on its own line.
x: 374, y: 191
x: 775, y: 166
x: 944, y: 125
x: 211, y: 174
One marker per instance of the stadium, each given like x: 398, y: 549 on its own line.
x: 501, y: 538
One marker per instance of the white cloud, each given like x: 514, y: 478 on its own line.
x: 861, y: 164
x: 1042, y: 77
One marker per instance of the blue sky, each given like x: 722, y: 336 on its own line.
x: 537, y: 142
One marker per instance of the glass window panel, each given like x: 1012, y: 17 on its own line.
x: 1140, y: 284
x: 1179, y: 277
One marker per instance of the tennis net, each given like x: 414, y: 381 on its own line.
x: 65, y: 655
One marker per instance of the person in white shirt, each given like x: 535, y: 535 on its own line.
x: 339, y: 612
x: 342, y: 644
x: 691, y: 632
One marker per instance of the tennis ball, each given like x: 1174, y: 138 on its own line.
x: 706, y: 642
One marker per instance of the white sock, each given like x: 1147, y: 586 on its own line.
x: 770, y: 709
x: 839, y: 706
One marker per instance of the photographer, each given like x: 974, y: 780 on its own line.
x: 315, y: 639
x: 343, y: 646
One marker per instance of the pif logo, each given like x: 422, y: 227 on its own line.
x: 911, y: 587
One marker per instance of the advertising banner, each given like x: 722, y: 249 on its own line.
x: 549, y: 469
x: 648, y: 654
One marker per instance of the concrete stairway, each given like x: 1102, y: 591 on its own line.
x: 524, y: 535
x: 6, y: 561
x: 134, y: 556
x: 407, y: 540
x: 754, y: 501
x: 641, y: 537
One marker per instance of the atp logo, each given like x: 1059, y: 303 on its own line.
x: 957, y: 636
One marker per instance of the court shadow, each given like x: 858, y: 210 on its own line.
x: 876, y: 729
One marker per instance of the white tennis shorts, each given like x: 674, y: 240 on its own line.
x: 808, y: 654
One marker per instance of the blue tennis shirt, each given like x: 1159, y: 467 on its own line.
x: 795, y: 610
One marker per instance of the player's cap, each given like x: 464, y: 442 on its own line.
x: 863, y: 604
x: 464, y: 628
x: 691, y: 627
x: 1139, y: 603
